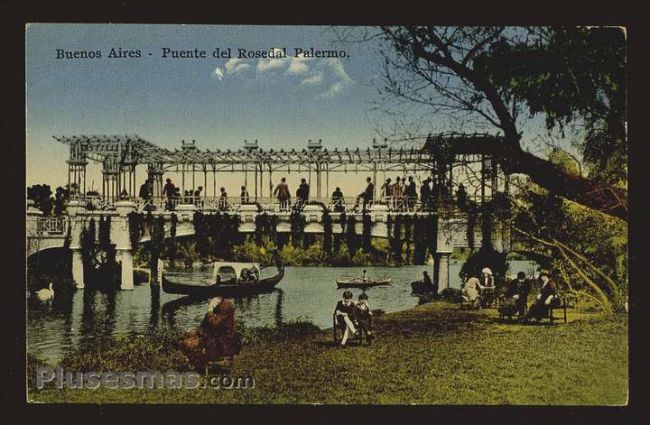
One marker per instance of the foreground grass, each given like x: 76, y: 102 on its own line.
x: 433, y: 354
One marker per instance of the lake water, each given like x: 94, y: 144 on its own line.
x: 305, y: 293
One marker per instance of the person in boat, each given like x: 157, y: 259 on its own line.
x: 362, y: 315
x: 215, y: 339
x: 344, y: 313
x: 248, y: 276
x: 364, y: 276
x: 547, y: 293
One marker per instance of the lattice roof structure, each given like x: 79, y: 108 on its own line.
x: 135, y: 150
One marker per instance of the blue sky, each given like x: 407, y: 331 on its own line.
x: 217, y: 102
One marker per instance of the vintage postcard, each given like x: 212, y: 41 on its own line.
x: 403, y: 215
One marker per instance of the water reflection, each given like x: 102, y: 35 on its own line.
x: 306, y: 293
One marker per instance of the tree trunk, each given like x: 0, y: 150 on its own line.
x: 587, y: 192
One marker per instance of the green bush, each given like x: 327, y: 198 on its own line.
x: 156, y: 350
x: 286, y: 331
x: 453, y: 295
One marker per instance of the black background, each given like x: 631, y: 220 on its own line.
x: 15, y: 14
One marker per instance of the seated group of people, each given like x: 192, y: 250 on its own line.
x: 249, y: 276
x: 514, y: 296
x: 353, y: 317
x: 480, y: 291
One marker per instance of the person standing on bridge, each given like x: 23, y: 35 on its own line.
x: 283, y: 194
x: 197, y: 197
x: 169, y: 191
x: 223, y: 200
x: 245, y: 199
x: 411, y: 194
x: 337, y: 200
x: 425, y: 194
x: 397, y: 192
x: 303, y: 192
x: 368, y: 194
x: 385, y: 192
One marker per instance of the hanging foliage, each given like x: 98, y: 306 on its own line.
x: 471, y: 225
x: 201, y: 233
x: 87, y: 242
x: 260, y: 224
x: 297, y: 228
x: 408, y: 227
x: 396, y: 246
x: 487, y: 224
x: 172, y: 248
x: 419, y: 240
x: 136, y: 227
x: 157, y: 232
x: 104, y: 232
x: 432, y: 227
x: 351, y: 235
x: 327, y: 232
x: 366, y: 240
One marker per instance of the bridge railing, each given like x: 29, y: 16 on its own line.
x: 346, y: 204
x: 51, y: 226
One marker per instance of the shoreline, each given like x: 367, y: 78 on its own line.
x: 434, y: 353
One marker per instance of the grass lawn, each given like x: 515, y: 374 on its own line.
x: 433, y: 354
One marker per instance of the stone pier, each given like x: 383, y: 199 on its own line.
x: 123, y: 242
x: 76, y: 209
x: 444, y: 249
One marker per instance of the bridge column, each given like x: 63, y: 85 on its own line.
x: 76, y: 225
x: 123, y: 242
x: 444, y: 249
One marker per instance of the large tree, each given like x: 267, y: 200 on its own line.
x: 505, y: 76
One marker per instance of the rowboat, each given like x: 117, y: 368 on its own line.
x: 229, y: 279
x: 360, y: 282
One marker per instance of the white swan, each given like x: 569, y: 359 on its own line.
x: 45, y: 294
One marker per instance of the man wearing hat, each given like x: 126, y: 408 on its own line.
x: 518, y: 290
x: 545, y: 297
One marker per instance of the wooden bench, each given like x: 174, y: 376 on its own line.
x: 560, y: 302
x: 360, y: 336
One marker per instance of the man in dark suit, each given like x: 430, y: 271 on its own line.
x: 518, y: 290
x: 411, y: 194
x: 368, y: 194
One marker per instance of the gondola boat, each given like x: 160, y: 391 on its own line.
x: 360, y: 282
x: 229, y: 279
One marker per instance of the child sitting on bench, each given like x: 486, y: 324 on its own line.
x: 344, y: 312
x: 362, y: 315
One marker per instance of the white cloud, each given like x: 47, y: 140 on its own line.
x: 326, y: 75
x: 235, y: 66
x: 297, y: 66
x: 341, y: 80
x: 270, y: 64
x: 313, y: 80
x: 218, y: 73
